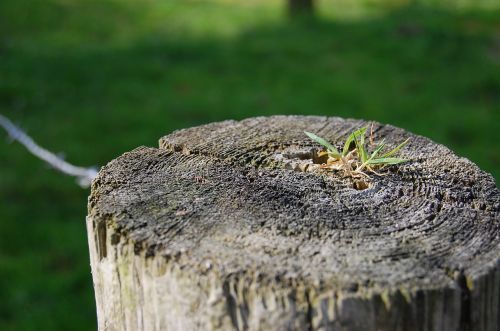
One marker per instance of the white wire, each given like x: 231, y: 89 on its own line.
x: 84, y: 176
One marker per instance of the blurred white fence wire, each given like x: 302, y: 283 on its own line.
x: 84, y: 176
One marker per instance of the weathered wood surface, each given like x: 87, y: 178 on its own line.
x: 212, y: 232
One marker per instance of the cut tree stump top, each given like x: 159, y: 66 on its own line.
x: 237, y: 199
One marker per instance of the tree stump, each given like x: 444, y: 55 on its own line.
x: 226, y: 227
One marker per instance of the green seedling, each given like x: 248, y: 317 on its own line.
x: 355, y: 160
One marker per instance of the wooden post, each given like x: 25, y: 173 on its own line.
x: 224, y: 227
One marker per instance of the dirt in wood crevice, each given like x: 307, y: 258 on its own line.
x: 100, y: 238
x: 238, y: 311
x: 465, y: 313
x: 309, y: 312
x: 311, y: 161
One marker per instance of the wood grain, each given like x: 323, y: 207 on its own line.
x: 221, y: 229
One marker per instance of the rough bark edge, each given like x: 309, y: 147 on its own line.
x: 134, y: 292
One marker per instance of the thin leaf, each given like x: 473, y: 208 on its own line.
x: 351, y: 138
x: 375, y: 152
x: 364, y: 153
x: 387, y: 160
x: 393, y: 151
x: 324, y: 143
x: 377, y: 149
x: 360, y: 146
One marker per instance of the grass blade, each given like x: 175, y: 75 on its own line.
x: 324, y: 143
x: 351, y: 138
x: 364, y: 153
x: 393, y: 151
x: 360, y: 145
x: 377, y: 150
x: 387, y: 161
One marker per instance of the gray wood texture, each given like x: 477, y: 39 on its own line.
x: 228, y: 226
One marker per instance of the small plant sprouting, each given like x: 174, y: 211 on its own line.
x: 354, y: 159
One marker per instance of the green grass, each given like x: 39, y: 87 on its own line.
x: 356, y: 160
x: 96, y: 78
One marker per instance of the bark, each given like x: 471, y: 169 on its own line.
x: 222, y: 229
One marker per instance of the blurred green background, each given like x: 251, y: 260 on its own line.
x: 96, y: 78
